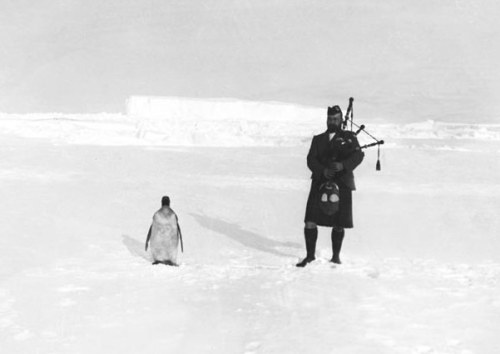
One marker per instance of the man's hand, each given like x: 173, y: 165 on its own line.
x: 329, y: 173
x: 337, y: 166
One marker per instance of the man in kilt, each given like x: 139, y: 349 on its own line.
x: 332, y: 157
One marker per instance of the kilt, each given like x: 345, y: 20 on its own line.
x: 343, y: 217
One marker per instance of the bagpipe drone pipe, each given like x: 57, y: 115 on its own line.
x: 349, y: 119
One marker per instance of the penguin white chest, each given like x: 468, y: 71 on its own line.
x: 164, y: 237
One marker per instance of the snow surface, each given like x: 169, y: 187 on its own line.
x: 421, y: 267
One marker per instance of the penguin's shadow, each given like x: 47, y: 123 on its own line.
x: 135, y: 247
x: 247, y: 238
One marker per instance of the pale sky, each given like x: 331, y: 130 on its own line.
x: 407, y: 60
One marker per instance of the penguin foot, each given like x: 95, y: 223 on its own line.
x: 170, y: 263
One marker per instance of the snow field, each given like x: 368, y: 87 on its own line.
x: 420, y: 272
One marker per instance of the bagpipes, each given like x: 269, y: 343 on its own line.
x: 329, y: 193
x: 349, y: 116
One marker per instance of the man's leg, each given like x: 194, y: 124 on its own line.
x: 311, y: 235
x: 337, y: 238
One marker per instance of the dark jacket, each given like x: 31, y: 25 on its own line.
x: 344, y: 148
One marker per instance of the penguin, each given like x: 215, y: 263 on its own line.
x: 164, y: 235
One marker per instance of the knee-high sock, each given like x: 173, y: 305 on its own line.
x: 311, y: 235
x: 337, y: 238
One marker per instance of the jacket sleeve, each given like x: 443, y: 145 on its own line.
x: 313, y: 160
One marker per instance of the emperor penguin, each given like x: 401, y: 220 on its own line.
x: 164, y: 235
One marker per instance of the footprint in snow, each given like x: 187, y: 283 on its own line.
x: 251, y: 347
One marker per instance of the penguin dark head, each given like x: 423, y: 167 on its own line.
x: 165, y: 201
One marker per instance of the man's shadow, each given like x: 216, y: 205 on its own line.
x: 246, y: 238
x: 135, y: 247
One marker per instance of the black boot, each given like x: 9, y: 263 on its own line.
x: 337, y: 238
x: 311, y: 235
